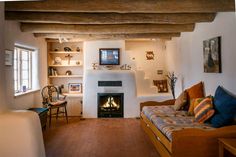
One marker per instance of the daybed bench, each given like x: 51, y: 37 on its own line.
x: 176, y: 134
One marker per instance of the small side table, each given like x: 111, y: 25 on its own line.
x: 42, y: 112
x: 229, y: 144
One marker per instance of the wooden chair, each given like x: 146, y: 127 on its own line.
x: 52, y: 99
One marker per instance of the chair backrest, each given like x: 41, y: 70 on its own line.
x: 49, y: 94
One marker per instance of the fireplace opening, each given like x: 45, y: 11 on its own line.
x: 110, y: 105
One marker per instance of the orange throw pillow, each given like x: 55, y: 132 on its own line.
x: 196, y: 91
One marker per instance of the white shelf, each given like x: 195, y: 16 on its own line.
x: 65, y: 65
x: 73, y: 94
x: 64, y: 52
x: 65, y: 76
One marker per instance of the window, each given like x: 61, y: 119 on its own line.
x: 22, y: 69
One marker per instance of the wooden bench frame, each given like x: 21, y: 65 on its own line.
x: 188, y: 142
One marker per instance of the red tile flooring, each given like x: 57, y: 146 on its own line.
x: 115, y: 137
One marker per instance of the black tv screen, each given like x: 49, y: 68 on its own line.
x: 108, y: 56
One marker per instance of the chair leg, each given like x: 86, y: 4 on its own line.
x: 66, y: 114
x: 50, y: 116
x: 57, y: 113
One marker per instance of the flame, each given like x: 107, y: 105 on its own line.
x: 110, y: 103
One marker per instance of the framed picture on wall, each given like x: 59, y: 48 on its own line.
x: 212, y: 55
x: 75, y: 87
x: 161, y: 85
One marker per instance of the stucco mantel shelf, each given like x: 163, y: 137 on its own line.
x: 110, y: 71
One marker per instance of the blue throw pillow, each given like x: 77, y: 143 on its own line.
x: 225, y: 106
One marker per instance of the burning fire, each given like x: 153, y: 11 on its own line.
x: 111, y: 103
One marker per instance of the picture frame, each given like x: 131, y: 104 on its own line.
x: 75, y: 88
x: 161, y: 86
x: 212, y: 55
x: 8, y: 57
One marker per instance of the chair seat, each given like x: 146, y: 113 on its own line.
x: 58, y: 103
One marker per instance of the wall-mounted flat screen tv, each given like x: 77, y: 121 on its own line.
x: 109, y: 56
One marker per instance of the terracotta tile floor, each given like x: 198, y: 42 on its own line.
x: 97, y: 138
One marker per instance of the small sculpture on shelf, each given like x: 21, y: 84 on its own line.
x: 125, y: 67
x: 95, y: 66
x: 67, y: 49
x: 78, y: 49
x: 68, y: 72
x: 78, y: 62
x: 69, y: 58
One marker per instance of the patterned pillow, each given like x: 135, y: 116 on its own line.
x: 180, y: 101
x: 193, y: 104
x: 204, y: 110
x: 196, y: 91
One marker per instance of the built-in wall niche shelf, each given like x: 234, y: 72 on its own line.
x: 73, y: 94
x: 65, y: 65
x: 64, y: 52
x: 66, y: 76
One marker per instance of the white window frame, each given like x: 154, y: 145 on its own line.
x: 18, y: 69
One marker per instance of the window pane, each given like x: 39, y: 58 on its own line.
x: 24, y: 55
x: 25, y: 83
x: 25, y: 65
x: 22, y: 69
x: 25, y: 74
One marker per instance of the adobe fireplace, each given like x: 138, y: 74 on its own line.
x: 110, y: 104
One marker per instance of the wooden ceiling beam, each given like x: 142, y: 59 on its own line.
x: 82, y: 39
x: 106, y: 29
x: 108, y: 18
x: 107, y: 36
x: 124, y: 6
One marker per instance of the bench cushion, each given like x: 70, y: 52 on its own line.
x: 162, y: 111
x: 167, y: 120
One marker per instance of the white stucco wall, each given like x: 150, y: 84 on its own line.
x: 137, y: 50
x: 3, y: 105
x: 185, y: 54
x: 14, y: 35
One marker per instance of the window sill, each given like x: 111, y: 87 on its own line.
x: 27, y: 92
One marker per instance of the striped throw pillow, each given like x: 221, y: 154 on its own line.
x: 193, y: 104
x: 204, y: 110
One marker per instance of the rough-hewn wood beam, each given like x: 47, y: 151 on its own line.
x: 125, y: 6
x: 108, y: 18
x: 107, y: 36
x: 105, y: 29
x: 78, y: 39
